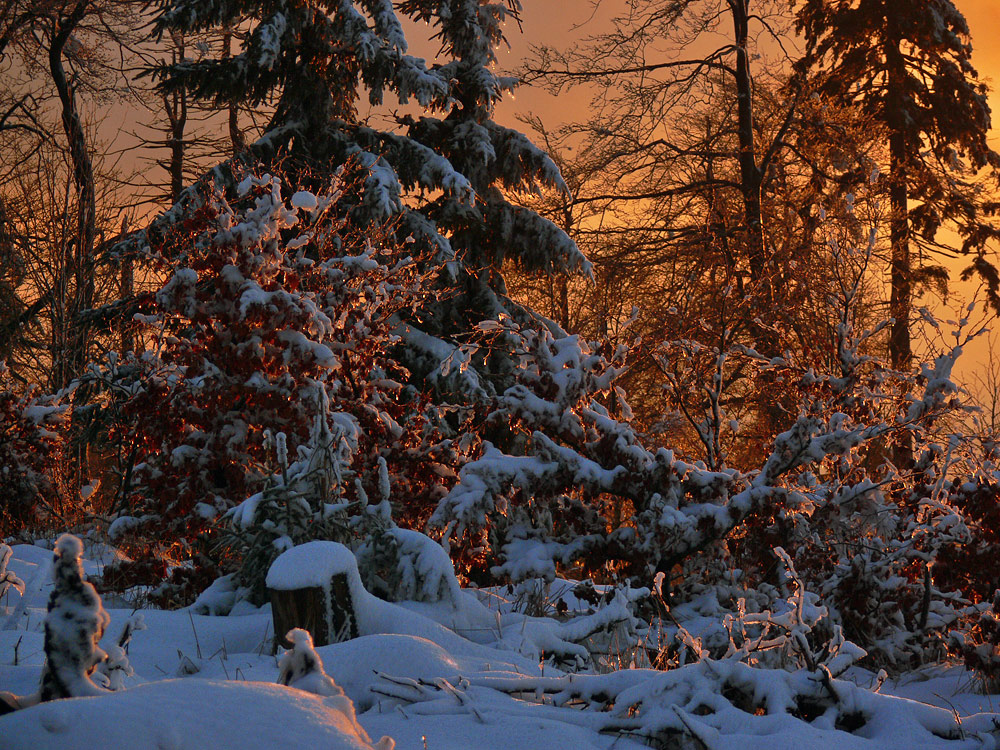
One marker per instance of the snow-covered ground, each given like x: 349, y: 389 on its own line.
x: 210, y: 682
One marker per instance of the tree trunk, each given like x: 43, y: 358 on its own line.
x: 236, y: 140
x: 77, y: 333
x: 750, y: 174
x: 83, y: 178
x: 900, y: 301
x: 308, y: 608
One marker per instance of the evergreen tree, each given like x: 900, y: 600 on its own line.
x: 256, y: 345
x: 438, y: 181
x: 908, y: 66
x: 437, y: 185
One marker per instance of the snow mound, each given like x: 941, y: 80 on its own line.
x: 312, y: 564
x: 189, y: 715
x: 357, y: 663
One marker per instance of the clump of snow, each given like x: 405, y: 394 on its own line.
x: 301, y: 667
x: 305, y: 200
x: 74, y: 625
x: 311, y: 565
x: 121, y: 526
x: 221, y: 597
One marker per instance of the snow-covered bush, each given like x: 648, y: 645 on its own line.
x: 31, y: 449
x: 862, y: 533
x: 300, y: 502
x: 406, y: 565
x: 273, y: 335
x: 782, y: 633
x: 73, y: 626
x: 971, y: 566
x: 979, y: 646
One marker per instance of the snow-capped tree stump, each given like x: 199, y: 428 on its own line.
x: 310, y: 587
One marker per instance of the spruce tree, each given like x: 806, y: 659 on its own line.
x: 908, y: 66
x: 437, y: 178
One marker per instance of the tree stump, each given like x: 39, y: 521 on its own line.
x: 308, y: 591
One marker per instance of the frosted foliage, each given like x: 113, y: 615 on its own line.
x: 524, y: 492
x: 7, y: 578
x: 270, y: 35
x: 414, y: 566
x: 73, y: 626
x: 269, y: 297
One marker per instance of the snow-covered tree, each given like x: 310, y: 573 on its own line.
x: 274, y: 381
x: 439, y: 181
x: 435, y: 185
x: 73, y: 626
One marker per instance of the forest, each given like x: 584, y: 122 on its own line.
x: 338, y: 402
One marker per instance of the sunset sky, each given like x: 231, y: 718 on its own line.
x: 984, y: 24
x: 559, y: 23
x: 552, y: 22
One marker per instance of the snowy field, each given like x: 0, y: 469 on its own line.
x: 453, y: 675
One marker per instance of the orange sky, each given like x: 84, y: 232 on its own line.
x: 551, y: 22
x: 984, y: 22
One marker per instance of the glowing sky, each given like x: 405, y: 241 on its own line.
x: 984, y: 24
x: 552, y: 22
x: 558, y: 23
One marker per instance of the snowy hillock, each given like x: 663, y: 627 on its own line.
x: 188, y: 715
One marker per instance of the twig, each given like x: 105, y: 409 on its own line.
x: 260, y: 651
x: 197, y: 645
x: 691, y: 731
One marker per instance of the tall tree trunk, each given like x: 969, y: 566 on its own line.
x: 126, y: 290
x: 83, y: 179
x: 236, y: 139
x: 175, y: 107
x: 900, y: 350
x: 900, y: 300
x: 750, y: 174
x: 900, y: 354
x: 77, y: 336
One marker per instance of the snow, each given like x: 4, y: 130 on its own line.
x: 304, y: 199
x: 463, y: 671
x: 184, y: 714
x: 310, y: 565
